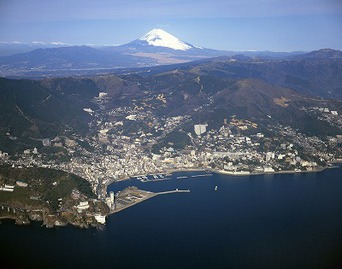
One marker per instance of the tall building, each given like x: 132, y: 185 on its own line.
x: 200, y: 128
x: 269, y: 156
x: 111, y: 195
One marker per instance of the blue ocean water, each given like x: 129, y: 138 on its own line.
x: 266, y: 221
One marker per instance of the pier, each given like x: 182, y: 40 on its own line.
x: 173, y: 191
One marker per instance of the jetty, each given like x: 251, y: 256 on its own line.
x: 172, y: 191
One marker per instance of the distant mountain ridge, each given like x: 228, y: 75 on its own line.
x: 157, y: 47
x: 66, y: 58
x: 11, y: 48
x: 330, y: 54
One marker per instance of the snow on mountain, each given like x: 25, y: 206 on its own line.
x: 160, y: 38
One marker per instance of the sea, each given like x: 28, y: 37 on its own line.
x: 261, y: 221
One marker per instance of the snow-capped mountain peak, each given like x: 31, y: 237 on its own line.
x: 160, y: 38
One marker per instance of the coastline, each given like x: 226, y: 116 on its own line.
x: 223, y: 172
x: 238, y: 174
x: 17, y: 220
x: 166, y: 171
x: 149, y: 194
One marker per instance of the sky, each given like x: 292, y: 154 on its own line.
x: 235, y: 25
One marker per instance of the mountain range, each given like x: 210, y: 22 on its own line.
x: 157, y: 47
x: 263, y: 87
x: 267, y: 92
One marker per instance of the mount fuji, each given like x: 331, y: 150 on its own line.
x: 157, y: 40
x: 160, y: 38
x: 157, y: 47
x: 164, y: 48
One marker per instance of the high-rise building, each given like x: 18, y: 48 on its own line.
x: 200, y: 128
x: 111, y: 195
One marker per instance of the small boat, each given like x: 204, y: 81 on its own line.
x: 216, y: 188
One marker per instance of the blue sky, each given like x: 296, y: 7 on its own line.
x: 277, y: 25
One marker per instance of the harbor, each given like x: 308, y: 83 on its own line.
x: 132, y: 192
x: 132, y: 195
x: 154, y: 177
x: 168, y: 176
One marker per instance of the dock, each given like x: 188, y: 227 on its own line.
x: 172, y: 191
x: 153, y: 177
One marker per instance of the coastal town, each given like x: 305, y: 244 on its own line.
x: 237, y: 147
x: 132, y: 141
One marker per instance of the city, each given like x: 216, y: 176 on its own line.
x: 127, y: 142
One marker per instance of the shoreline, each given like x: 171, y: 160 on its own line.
x: 166, y: 171
x: 336, y: 164
x: 238, y: 174
x: 222, y: 172
x: 17, y: 220
x: 213, y: 171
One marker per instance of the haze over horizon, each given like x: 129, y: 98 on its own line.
x: 273, y: 25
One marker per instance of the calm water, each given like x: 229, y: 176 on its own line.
x: 271, y: 221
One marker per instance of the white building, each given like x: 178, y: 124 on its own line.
x: 200, y: 128
x: 100, y: 219
x: 7, y: 187
x: 269, y: 156
x: 82, y: 206
x: 3, y: 154
x: 268, y: 169
x: 21, y: 184
x: 111, y: 194
x: 102, y: 94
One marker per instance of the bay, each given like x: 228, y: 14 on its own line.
x: 265, y: 221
